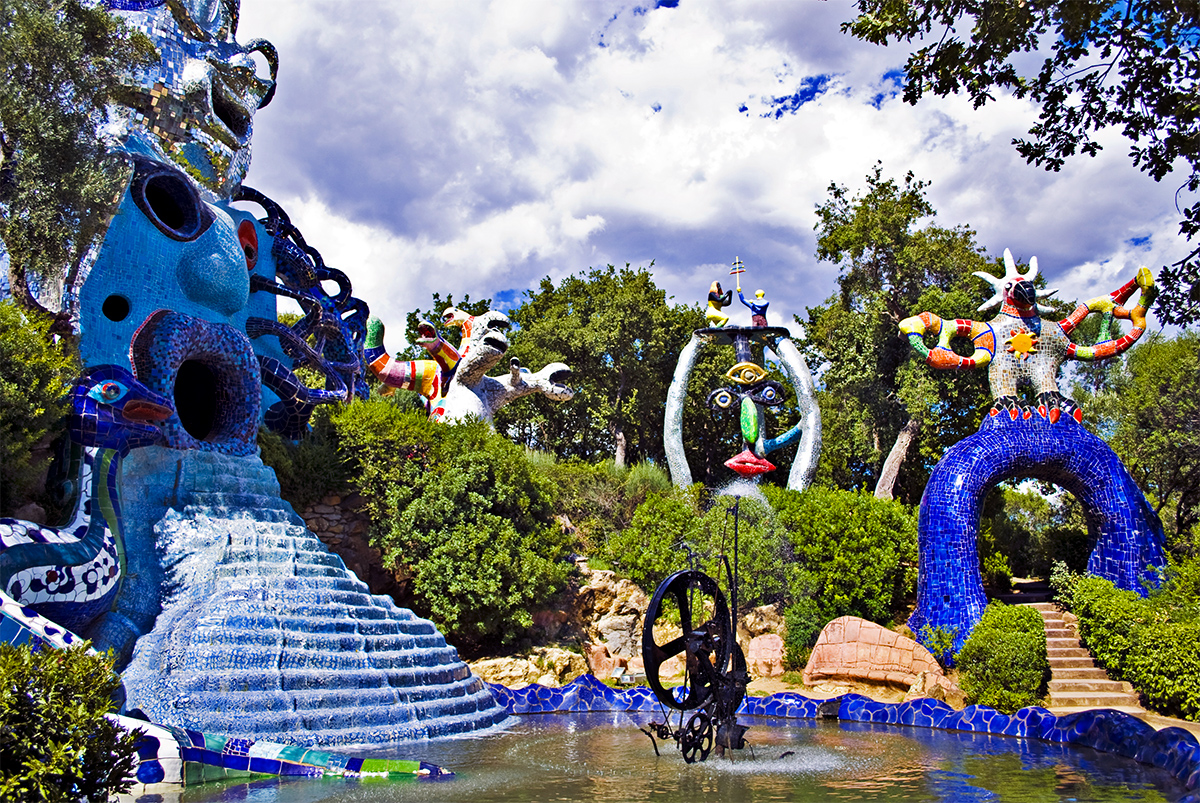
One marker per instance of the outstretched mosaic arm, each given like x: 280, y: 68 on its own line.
x: 942, y: 356
x: 1111, y: 307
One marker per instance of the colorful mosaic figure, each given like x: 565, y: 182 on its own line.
x: 717, y: 300
x: 1033, y: 349
x: 1021, y: 350
x: 71, y: 574
x: 751, y: 394
x: 454, y: 382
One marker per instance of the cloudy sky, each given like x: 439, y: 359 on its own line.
x: 476, y: 147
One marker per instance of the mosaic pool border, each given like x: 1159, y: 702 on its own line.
x: 1172, y: 749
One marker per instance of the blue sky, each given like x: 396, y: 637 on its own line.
x: 475, y: 147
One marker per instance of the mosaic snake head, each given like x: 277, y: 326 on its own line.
x: 485, y: 342
x: 111, y: 409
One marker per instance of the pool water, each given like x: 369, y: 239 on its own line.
x: 606, y: 758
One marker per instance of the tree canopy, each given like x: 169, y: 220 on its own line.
x: 616, y: 330
x: 61, y: 62
x: 875, y: 397
x: 1097, y: 64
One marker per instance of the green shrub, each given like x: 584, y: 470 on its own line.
x: 1064, y: 582
x: 940, y: 643
x: 309, y: 469
x: 473, y: 523
x: 854, y: 555
x: 1164, y: 664
x: 55, y: 742
x: 1108, y: 618
x: 1003, y: 662
x: 802, y: 621
x: 653, y: 545
x: 34, y: 375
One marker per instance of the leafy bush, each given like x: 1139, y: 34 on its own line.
x: 1064, y: 582
x: 55, y: 742
x: 1108, y: 617
x: 308, y: 469
x: 653, y: 545
x: 473, y: 523
x: 1154, y: 643
x: 1003, y: 662
x: 940, y: 643
x: 1164, y: 664
x: 34, y: 374
x: 855, y: 555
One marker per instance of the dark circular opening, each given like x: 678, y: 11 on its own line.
x: 172, y: 206
x: 115, y: 308
x: 196, y: 398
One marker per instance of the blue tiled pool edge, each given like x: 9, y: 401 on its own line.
x: 1172, y: 749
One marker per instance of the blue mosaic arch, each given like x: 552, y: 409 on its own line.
x: 1126, y: 532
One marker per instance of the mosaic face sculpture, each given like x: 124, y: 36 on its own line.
x: 750, y: 394
x: 454, y: 382
x: 71, y: 573
x: 1021, y: 350
x: 194, y: 108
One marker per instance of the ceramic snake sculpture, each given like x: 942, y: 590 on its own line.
x: 71, y: 574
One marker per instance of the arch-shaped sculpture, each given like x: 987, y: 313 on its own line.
x: 807, y: 431
x: 1021, y: 350
x: 1126, y: 532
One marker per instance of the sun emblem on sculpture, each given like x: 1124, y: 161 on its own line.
x: 1022, y: 343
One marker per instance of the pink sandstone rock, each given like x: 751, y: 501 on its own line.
x: 765, y: 656
x: 851, y: 649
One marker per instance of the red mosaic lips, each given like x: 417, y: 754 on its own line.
x: 748, y: 464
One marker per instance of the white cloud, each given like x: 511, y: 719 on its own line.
x: 471, y: 147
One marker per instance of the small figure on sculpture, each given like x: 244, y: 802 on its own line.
x: 455, y: 382
x: 717, y: 301
x: 1034, y: 349
x: 758, y: 307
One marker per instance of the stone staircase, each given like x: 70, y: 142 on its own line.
x: 1075, y: 680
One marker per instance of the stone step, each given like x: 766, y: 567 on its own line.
x: 1090, y: 672
x: 1061, y: 642
x: 1060, y: 632
x: 1082, y: 686
x: 1046, y: 607
x: 1070, y: 662
x: 1068, y: 652
x: 1094, y: 699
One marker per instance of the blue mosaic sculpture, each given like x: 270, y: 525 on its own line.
x: 72, y: 573
x: 1017, y: 441
x: 184, y: 287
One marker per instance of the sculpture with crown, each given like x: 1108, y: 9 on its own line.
x: 1032, y: 349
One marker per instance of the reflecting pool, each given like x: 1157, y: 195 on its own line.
x: 604, y: 757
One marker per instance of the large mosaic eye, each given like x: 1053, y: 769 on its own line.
x: 745, y: 373
x: 722, y: 397
x: 768, y: 394
x: 108, y: 391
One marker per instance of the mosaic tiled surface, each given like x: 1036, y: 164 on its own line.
x: 168, y: 112
x: 20, y: 624
x: 262, y: 632
x: 71, y: 573
x: 1129, y: 535
x: 1173, y: 749
x: 167, y: 339
x: 168, y: 755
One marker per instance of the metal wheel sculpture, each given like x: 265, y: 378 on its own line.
x: 715, y: 674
